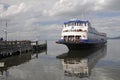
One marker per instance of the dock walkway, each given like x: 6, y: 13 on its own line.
x: 8, y: 48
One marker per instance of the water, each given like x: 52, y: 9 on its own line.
x: 57, y: 63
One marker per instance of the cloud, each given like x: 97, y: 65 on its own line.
x: 70, y: 6
x: 78, y: 8
x: 112, y: 5
x: 11, y: 10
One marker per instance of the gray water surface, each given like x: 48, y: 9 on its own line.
x: 57, y: 63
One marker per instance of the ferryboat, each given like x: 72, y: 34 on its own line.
x: 77, y: 34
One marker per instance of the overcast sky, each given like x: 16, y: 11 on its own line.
x: 43, y: 19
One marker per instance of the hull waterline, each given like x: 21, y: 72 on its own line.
x: 78, y: 46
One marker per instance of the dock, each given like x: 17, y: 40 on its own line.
x: 9, y: 48
x: 38, y: 45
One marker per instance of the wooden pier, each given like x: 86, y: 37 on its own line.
x: 38, y: 46
x: 8, y: 48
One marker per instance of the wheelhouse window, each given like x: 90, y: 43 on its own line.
x: 72, y: 38
x: 64, y: 25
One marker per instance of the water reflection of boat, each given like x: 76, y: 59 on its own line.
x: 80, y: 65
x: 16, y: 60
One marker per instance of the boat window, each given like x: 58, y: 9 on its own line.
x: 82, y: 24
x: 86, y: 24
x: 78, y: 24
x: 75, y: 24
x: 65, y: 38
x: 64, y: 25
x: 77, y: 38
x: 68, y: 24
x: 79, y: 30
x: 72, y: 24
x: 70, y: 38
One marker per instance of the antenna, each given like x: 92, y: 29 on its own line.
x: 6, y: 31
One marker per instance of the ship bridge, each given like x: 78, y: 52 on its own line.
x: 72, y: 29
x: 76, y: 26
x: 76, y: 23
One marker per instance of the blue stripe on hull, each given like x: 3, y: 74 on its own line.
x: 82, y: 41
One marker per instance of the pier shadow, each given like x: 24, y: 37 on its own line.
x: 16, y: 60
x: 80, y: 63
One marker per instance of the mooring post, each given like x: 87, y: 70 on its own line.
x: 46, y: 46
x: 36, y: 45
x: 20, y: 47
x: 46, y: 42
